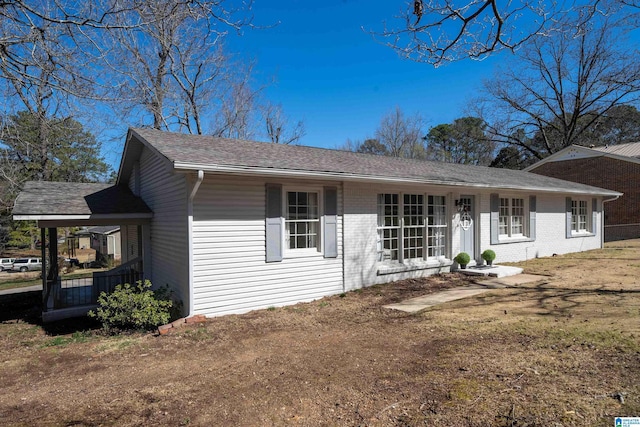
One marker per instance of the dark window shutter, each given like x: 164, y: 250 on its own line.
x: 594, y: 216
x: 568, y: 214
x: 274, y: 223
x: 495, y: 218
x: 330, y: 222
x: 532, y: 217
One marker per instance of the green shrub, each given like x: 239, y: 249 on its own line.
x: 488, y: 255
x: 462, y: 258
x: 133, y: 307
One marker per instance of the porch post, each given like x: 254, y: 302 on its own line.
x: 52, y: 277
x: 43, y: 273
x: 53, y: 254
x: 146, y: 250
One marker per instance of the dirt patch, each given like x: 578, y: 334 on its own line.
x: 563, y: 351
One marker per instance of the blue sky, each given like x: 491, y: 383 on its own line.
x: 338, y: 79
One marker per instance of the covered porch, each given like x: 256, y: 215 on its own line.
x: 60, y: 204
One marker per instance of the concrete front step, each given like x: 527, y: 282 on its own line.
x: 491, y: 271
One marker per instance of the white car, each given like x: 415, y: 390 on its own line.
x: 6, y: 263
x: 26, y: 264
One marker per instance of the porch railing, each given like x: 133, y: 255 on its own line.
x: 85, y: 291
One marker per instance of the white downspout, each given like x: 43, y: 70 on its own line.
x: 192, y: 195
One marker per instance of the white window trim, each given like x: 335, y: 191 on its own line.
x: 413, y: 263
x: 525, y: 219
x: 588, y: 218
x: 304, y: 252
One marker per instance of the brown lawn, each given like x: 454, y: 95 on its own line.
x: 564, y: 351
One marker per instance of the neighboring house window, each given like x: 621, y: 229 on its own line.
x: 512, y: 215
x: 582, y: 217
x: 302, y: 220
x: 417, y: 234
x: 513, y: 219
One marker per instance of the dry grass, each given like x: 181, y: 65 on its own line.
x: 564, y: 351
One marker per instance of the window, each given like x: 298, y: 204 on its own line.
x: 413, y: 230
x: 579, y: 216
x: 302, y: 221
x: 436, y: 226
x: 511, y: 218
x: 417, y: 234
x: 388, y: 226
x: 582, y: 217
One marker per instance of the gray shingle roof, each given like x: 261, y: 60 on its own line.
x: 222, y: 154
x: 72, y: 198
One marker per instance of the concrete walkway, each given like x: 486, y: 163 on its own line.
x: 11, y: 291
x: 417, y: 304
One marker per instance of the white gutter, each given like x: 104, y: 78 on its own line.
x: 81, y: 217
x: 192, y: 195
x: 613, y: 199
x: 262, y: 171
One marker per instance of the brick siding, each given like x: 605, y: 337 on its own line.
x: 622, y: 216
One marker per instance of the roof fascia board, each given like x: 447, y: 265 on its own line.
x: 619, y: 157
x: 555, y: 156
x: 588, y: 152
x: 126, y: 163
x: 91, y: 222
x: 287, y: 173
x: 84, y: 217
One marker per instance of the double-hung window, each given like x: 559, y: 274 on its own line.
x: 388, y: 226
x: 436, y: 226
x: 512, y: 215
x: 579, y: 216
x: 411, y: 227
x: 513, y: 218
x: 582, y: 217
x: 302, y: 223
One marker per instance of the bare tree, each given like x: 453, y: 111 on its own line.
x: 401, y: 136
x: 198, y: 83
x: 236, y: 116
x: 171, y: 61
x: 440, y: 31
x: 561, y: 87
x: 277, y: 123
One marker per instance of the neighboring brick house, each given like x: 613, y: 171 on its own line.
x: 615, y: 167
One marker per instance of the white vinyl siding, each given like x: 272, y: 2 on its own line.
x: 165, y: 193
x: 230, y: 272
